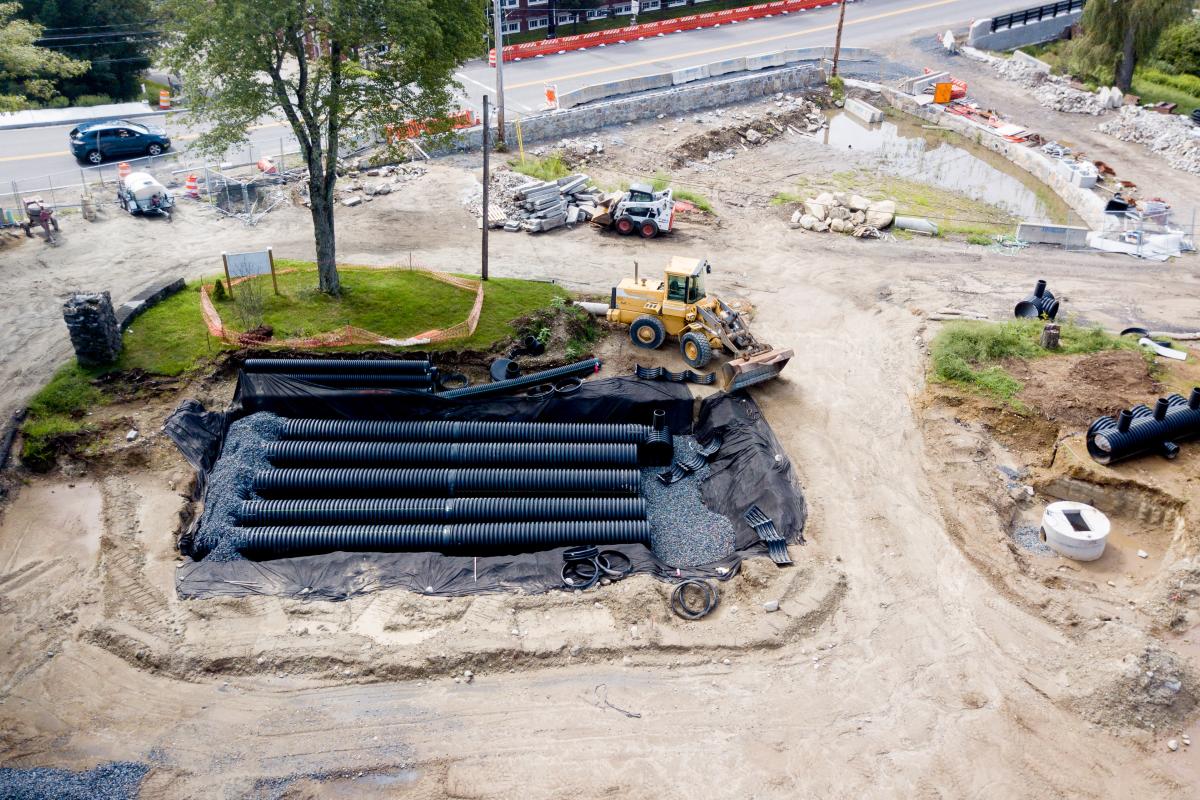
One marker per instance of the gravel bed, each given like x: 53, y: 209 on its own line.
x: 1029, y: 539
x: 118, y: 780
x: 683, y: 532
x: 230, y: 480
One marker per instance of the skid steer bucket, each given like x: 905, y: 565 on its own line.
x: 749, y: 370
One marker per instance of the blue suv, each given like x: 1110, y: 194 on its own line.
x: 117, y: 138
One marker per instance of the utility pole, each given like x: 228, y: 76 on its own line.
x: 837, y: 44
x: 486, y: 180
x: 498, y: 38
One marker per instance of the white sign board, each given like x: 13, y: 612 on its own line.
x: 241, y: 265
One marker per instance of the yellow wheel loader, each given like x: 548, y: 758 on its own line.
x: 679, y: 306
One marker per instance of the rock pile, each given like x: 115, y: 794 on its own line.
x: 92, y: 323
x: 1172, y: 136
x: 359, y: 187
x: 841, y: 212
x: 573, y: 151
x: 1061, y: 97
x: 1017, y: 71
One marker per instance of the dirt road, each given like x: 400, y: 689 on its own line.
x: 894, y: 668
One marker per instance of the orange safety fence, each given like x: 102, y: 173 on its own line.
x: 414, y: 128
x: 581, y: 41
x: 348, y: 334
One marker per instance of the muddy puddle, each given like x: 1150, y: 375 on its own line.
x: 905, y: 148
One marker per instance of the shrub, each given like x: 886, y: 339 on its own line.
x: 550, y: 168
x: 1179, y: 46
x: 837, y: 87
x: 58, y: 102
x: 1184, y: 83
x: 219, y: 293
x: 85, y: 100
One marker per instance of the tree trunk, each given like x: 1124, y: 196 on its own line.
x: 321, y: 204
x: 1128, y: 59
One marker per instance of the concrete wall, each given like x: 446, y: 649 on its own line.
x: 1085, y: 203
x: 1047, y: 30
x: 676, y: 101
x: 1065, y: 235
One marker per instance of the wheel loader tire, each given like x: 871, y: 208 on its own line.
x: 626, y: 226
x: 647, y: 332
x: 696, y: 350
x: 648, y: 229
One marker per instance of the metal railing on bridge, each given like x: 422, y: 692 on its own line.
x: 1028, y: 15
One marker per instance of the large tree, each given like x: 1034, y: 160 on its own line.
x: 28, y: 73
x: 335, y: 70
x: 116, y: 36
x: 1119, y: 33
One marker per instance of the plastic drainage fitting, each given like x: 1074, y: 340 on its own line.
x: 373, y: 430
x: 503, y: 536
x: 1039, y: 305
x: 384, y: 510
x: 325, y: 365
x: 659, y: 448
x: 1140, y: 430
x: 444, y: 482
x: 447, y: 454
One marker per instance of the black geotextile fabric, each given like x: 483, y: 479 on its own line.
x: 744, y: 472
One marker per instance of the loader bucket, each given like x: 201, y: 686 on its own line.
x: 742, y: 372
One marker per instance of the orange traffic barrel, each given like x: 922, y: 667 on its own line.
x: 164, y: 100
x: 123, y: 170
x: 191, y: 188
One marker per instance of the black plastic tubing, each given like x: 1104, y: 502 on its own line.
x: 578, y: 369
x: 444, y: 482
x: 383, y: 510
x: 373, y: 430
x: 369, y: 365
x: 522, y: 536
x: 445, y: 454
x: 405, y: 380
x: 1140, y: 430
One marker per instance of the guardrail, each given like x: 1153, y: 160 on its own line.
x: 515, y: 52
x: 1028, y: 15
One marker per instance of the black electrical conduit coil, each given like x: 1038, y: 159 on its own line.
x: 384, y: 510
x: 403, y: 380
x: 1140, y: 430
x: 444, y: 482
x: 374, y: 430
x: 576, y: 370
x: 523, y: 536
x: 1039, y: 305
x: 369, y: 365
x: 295, y: 453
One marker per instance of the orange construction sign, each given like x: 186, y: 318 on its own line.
x: 942, y: 92
x: 552, y: 95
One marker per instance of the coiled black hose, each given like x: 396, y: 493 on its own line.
x: 444, y: 482
x: 462, y: 431
x: 325, y: 365
x: 338, y: 511
x: 445, y: 454
x: 523, y: 536
x: 578, y: 369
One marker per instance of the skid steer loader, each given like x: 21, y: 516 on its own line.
x: 679, y: 306
x: 640, y: 210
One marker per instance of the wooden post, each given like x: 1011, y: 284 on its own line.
x: 271, y: 258
x: 837, y: 43
x: 228, y: 282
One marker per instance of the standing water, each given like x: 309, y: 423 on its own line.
x: 905, y: 149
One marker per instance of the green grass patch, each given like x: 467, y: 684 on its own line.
x: 170, y: 338
x: 152, y: 90
x: 787, y: 198
x: 1157, y: 87
x: 548, y: 168
x: 970, y: 354
x: 56, y: 413
x: 662, y: 181
x: 979, y: 238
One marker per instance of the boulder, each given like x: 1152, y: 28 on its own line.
x: 796, y: 215
x: 837, y: 226
x: 881, y: 213
x: 753, y: 136
x: 816, y: 208
x: 837, y: 212
x: 841, y: 198
x: 857, y: 202
x: 858, y: 217
x: 826, y: 199
x: 821, y: 225
x: 809, y: 222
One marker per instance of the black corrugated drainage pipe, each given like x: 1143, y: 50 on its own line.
x: 444, y: 482
x: 368, y: 365
x: 448, y: 454
x: 578, y: 369
x: 502, y: 536
x: 1039, y: 305
x: 399, y: 380
x: 1140, y: 430
x: 377, y: 510
x: 462, y: 431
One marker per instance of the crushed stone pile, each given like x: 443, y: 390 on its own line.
x: 1017, y: 71
x: 843, y: 212
x: 683, y: 532
x: 1061, y: 97
x: 231, y: 479
x: 363, y: 183
x: 1171, y: 136
x: 116, y: 780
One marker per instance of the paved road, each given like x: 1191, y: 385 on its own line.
x: 28, y: 155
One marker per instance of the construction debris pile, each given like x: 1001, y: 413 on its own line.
x: 1052, y: 91
x: 520, y: 203
x: 845, y: 213
x: 573, y: 151
x: 358, y: 188
x: 792, y: 115
x: 1062, y: 97
x: 1172, y: 136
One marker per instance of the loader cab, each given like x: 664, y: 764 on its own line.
x: 641, y: 193
x: 685, y: 280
